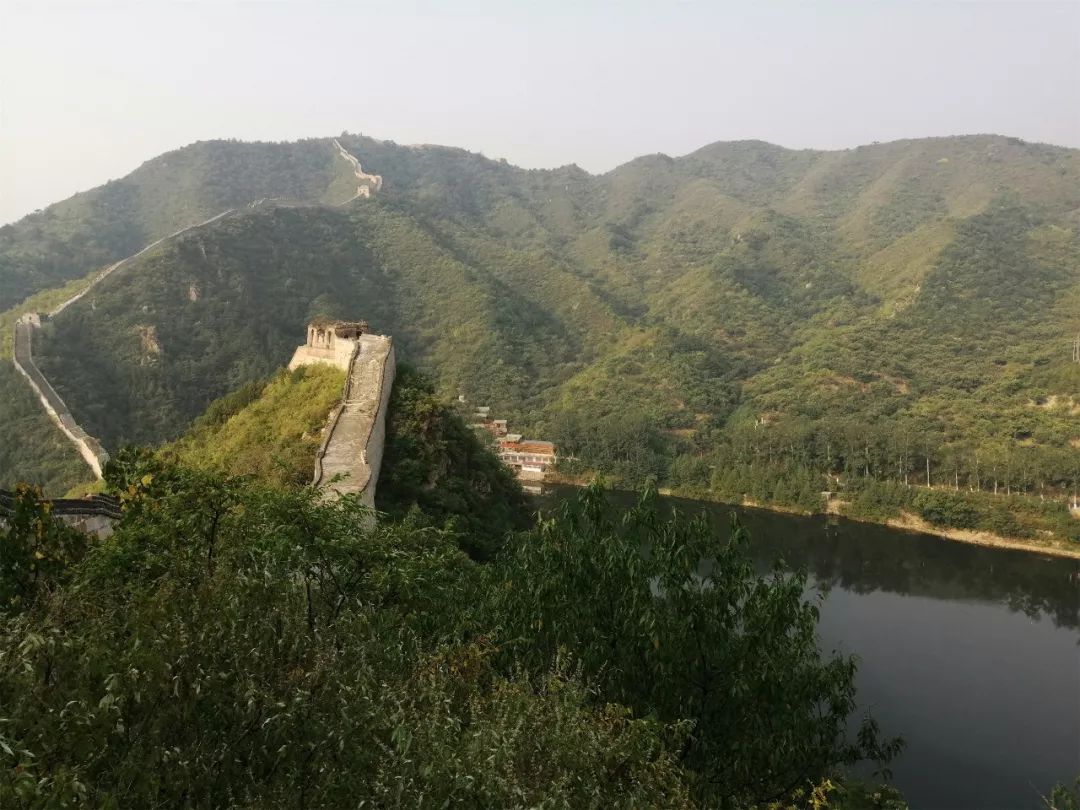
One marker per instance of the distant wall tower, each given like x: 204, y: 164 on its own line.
x: 329, y: 342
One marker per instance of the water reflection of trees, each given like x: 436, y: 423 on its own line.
x: 864, y: 558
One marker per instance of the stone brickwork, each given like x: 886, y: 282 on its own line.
x: 329, y: 342
x: 350, y: 458
x: 365, y: 183
x: 94, y: 515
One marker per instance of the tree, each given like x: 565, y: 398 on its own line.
x: 671, y: 619
x: 241, y: 646
x: 35, y: 552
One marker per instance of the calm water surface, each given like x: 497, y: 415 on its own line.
x: 972, y: 654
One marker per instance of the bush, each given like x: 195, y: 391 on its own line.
x: 947, y: 509
x: 236, y: 645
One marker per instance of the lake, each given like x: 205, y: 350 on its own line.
x: 972, y: 654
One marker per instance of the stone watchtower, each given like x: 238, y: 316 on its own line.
x: 330, y: 342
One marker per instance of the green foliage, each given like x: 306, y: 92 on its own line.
x: 250, y: 647
x: 878, y: 500
x: 914, y: 203
x: 31, y: 446
x: 677, y: 623
x: 433, y: 462
x: 435, y: 470
x: 270, y: 430
x: 865, y: 311
x: 95, y: 228
x: 947, y: 509
x: 1063, y: 797
x: 243, y: 646
x: 35, y: 552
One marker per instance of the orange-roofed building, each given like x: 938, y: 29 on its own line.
x: 530, y: 459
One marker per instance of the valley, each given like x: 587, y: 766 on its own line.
x: 918, y: 610
x: 386, y: 423
x: 744, y: 322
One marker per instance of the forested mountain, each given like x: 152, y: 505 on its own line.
x: 279, y: 647
x: 745, y: 319
x: 69, y: 239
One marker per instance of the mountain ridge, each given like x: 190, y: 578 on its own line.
x: 667, y: 303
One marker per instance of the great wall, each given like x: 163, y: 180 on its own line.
x: 365, y: 183
x: 23, y: 357
x: 94, y: 515
x: 348, y: 460
x: 350, y: 457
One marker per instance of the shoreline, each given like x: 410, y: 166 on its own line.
x: 907, y: 522
x: 913, y: 523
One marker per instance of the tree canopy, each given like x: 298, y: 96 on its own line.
x: 234, y: 644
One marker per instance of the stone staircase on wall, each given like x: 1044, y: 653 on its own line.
x: 349, y: 460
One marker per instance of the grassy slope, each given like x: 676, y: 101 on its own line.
x: 269, y: 431
x: 48, y: 256
x: 434, y: 465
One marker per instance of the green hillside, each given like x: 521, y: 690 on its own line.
x: 268, y: 430
x: 243, y: 645
x: 240, y: 635
x: 97, y: 227
x: 743, y: 320
x: 435, y: 470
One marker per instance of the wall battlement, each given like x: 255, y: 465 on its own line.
x: 330, y: 342
x: 94, y: 515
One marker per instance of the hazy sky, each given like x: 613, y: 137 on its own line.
x: 90, y: 90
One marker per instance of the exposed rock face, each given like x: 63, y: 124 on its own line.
x: 148, y: 342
